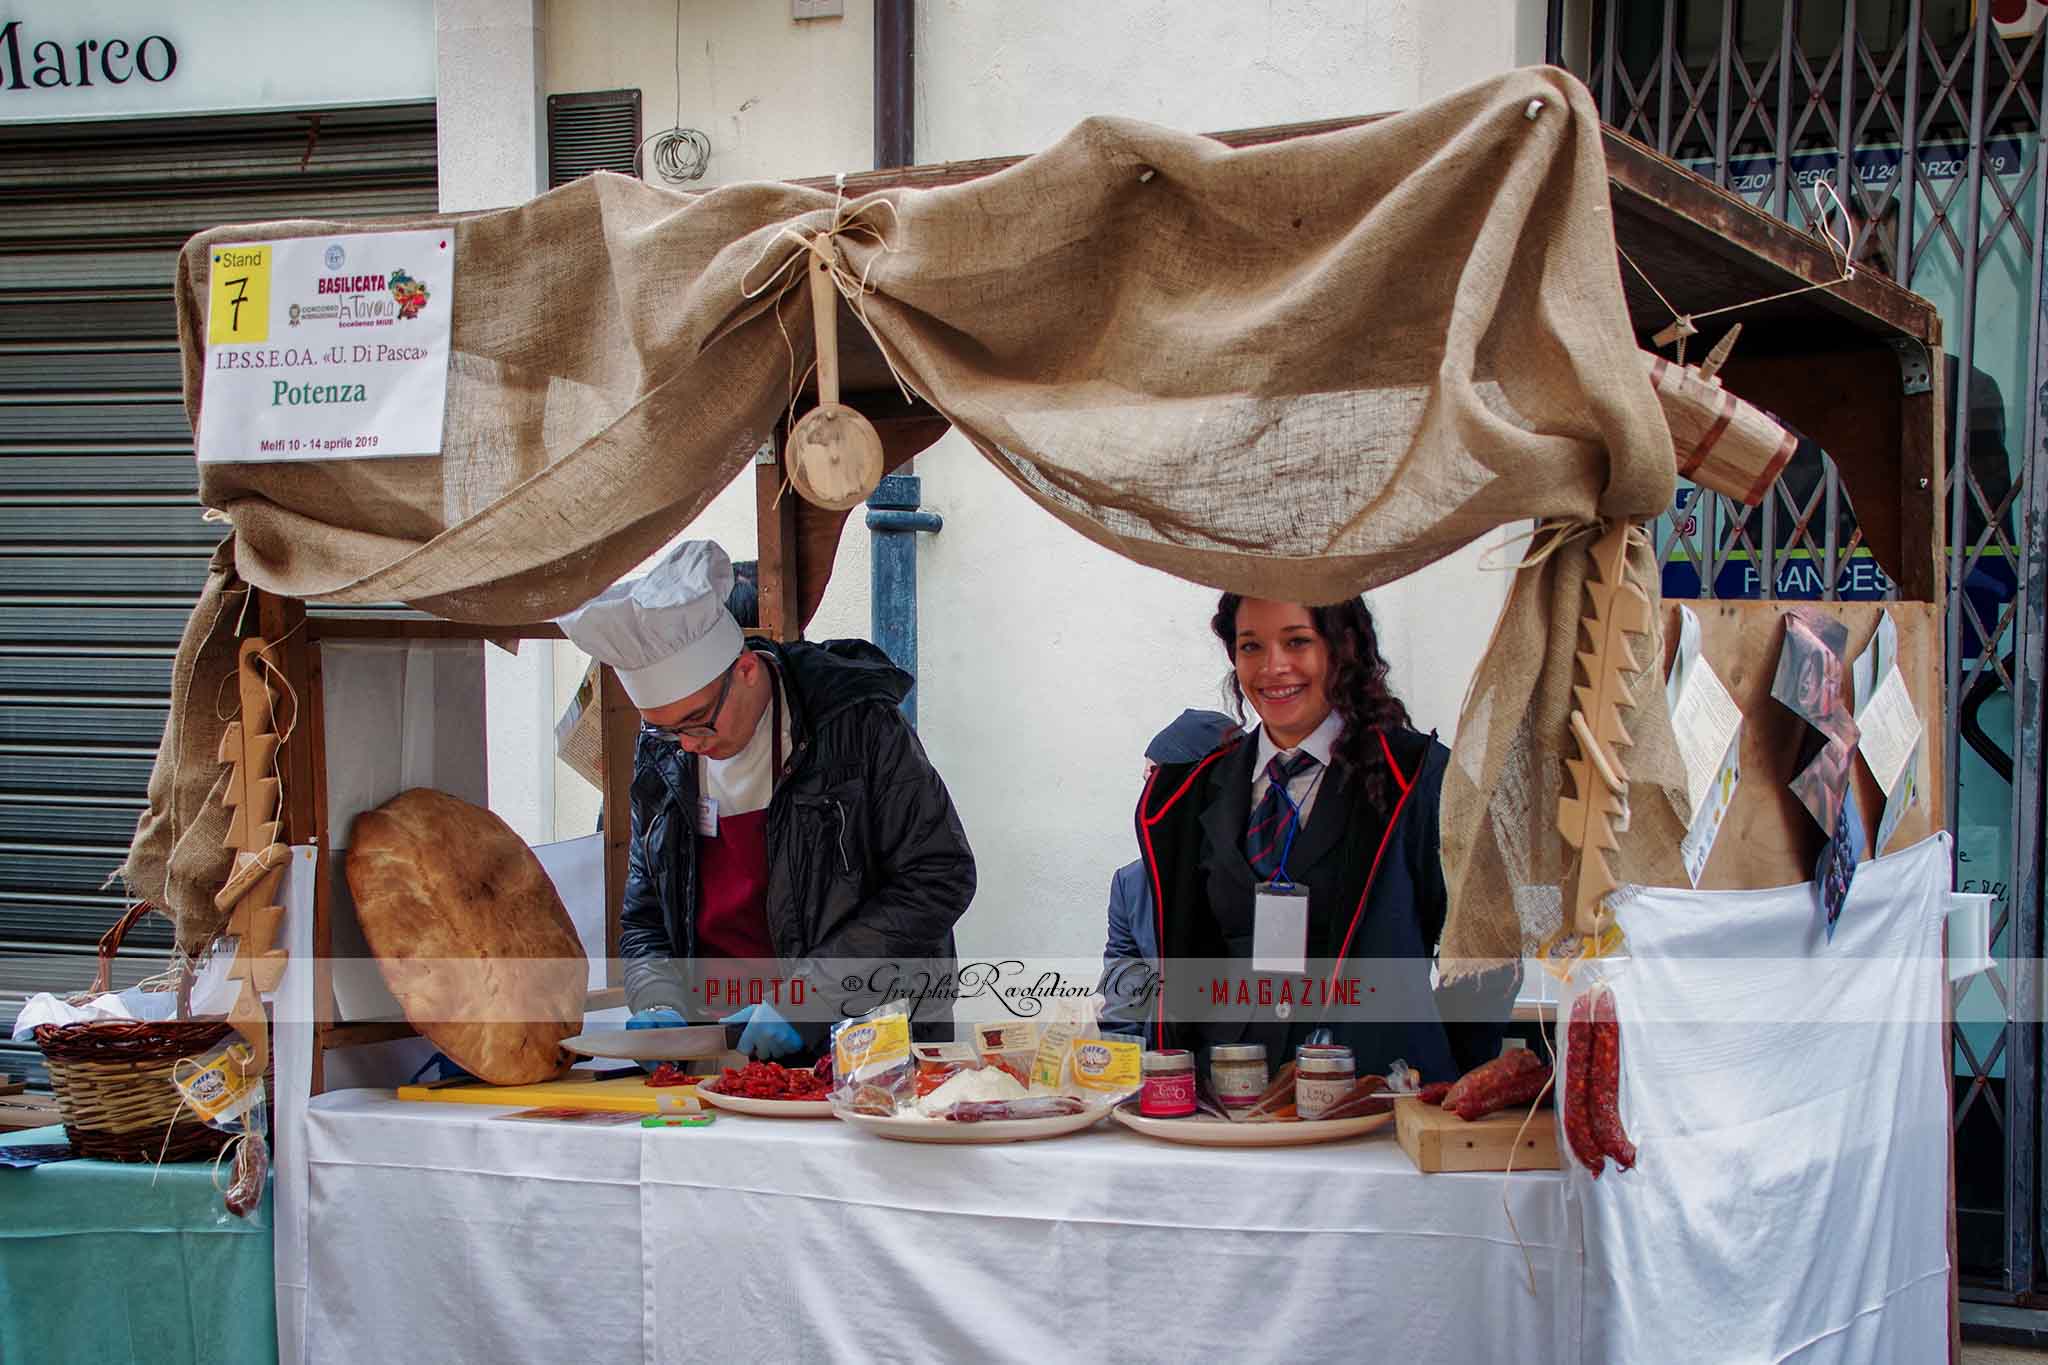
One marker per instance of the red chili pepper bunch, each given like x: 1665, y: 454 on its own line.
x: 773, y: 1081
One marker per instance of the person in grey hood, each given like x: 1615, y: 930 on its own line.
x: 794, y: 856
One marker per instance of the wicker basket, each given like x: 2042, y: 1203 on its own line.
x: 113, y: 1079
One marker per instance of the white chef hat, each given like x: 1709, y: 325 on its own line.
x: 667, y: 632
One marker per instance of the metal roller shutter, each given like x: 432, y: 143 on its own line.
x: 101, y: 544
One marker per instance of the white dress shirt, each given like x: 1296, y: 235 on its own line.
x: 1302, y: 788
x: 743, y: 783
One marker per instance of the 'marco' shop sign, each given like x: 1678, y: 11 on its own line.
x: 31, y: 62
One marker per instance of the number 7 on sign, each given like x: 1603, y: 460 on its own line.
x: 238, y: 309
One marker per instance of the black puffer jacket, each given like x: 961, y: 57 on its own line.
x: 868, y: 866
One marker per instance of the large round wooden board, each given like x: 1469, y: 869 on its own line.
x: 469, y: 934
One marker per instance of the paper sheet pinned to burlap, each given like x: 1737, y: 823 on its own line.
x: 1297, y: 370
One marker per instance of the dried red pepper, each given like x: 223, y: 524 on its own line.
x: 1604, y: 1099
x: 668, y: 1073
x: 773, y: 1081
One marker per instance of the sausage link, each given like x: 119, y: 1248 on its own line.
x: 1434, y: 1093
x: 1578, y: 1076
x: 1487, y: 1079
x: 1606, y: 1088
x: 252, y: 1168
x: 1519, y: 1088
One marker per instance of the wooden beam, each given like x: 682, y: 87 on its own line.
x: 325, y: 1011
x: 371, y: 626
x: 282, y: 621
x: 1705, y: 216
x: 1922, y: 491
x: 360, y: 1035
x: 619, y: 736
x: 1709, y: 219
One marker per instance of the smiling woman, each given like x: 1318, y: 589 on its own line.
x: 1308, y: 850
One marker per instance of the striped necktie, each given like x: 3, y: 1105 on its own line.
x: 1272, y: 820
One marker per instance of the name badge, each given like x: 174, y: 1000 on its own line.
x: 707, y: 816
x: 1280, y: 928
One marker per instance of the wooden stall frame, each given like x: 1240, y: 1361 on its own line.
x: 1872, y: 386
x: 1856, y: 365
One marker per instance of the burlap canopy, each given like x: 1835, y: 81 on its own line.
x: 1298, y: 370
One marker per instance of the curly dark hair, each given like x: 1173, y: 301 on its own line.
x: 1357, y: 687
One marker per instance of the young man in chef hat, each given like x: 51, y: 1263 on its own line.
x: 794, y: 855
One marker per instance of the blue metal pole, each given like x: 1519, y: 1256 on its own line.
x: 893, y: 523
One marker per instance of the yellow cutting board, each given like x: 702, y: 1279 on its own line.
x: 621, y: 1094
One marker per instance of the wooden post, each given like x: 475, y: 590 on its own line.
x: 254, y: 793
x: 621, y: 731
x: 1923, y: 494
x: 313, y: 720
x: 781, y: 601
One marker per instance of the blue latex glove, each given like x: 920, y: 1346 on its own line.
x: 767, y: 1034
x: 661, y: 1016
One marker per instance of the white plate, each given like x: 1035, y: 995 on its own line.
x: 772, y: 1109
x: 651, y: 1044
x: 988, y: 1130
x: 1204, y: 1130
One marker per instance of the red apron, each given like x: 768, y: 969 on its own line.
x: 732, y: 889
x: 732, y: 875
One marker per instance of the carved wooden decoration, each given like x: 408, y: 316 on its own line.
x: 253, y: 796
x: 1588, y: 820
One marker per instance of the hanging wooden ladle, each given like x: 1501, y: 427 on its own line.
x: 834, y: 454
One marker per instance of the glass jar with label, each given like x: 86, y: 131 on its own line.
x: 1322, y: 1076
x: 1169, y: 1084
x: 1237, y: 1074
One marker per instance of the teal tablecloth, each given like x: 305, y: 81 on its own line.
x: 108, y: 1263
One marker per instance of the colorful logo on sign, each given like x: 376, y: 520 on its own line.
x: 409, y: 293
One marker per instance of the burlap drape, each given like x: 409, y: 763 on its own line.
x: 1298, y: 370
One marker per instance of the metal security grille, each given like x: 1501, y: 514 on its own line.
x: 1924, y: 117
x: 594, y: 131
x: 102, y: 549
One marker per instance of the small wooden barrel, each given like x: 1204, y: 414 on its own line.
x: 1722, y: 442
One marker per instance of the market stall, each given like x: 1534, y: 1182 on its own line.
x: 1499, y: 379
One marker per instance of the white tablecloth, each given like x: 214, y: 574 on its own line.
x: 1790, y: 1100
x: 442, y: 1233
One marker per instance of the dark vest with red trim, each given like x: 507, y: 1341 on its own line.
x: 1379, y: 885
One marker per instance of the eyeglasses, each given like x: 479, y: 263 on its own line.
x: 697, y: 729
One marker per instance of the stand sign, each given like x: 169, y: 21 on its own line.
x: 327, y: 348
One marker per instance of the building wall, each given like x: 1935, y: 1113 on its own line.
x: 1046, y: 662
